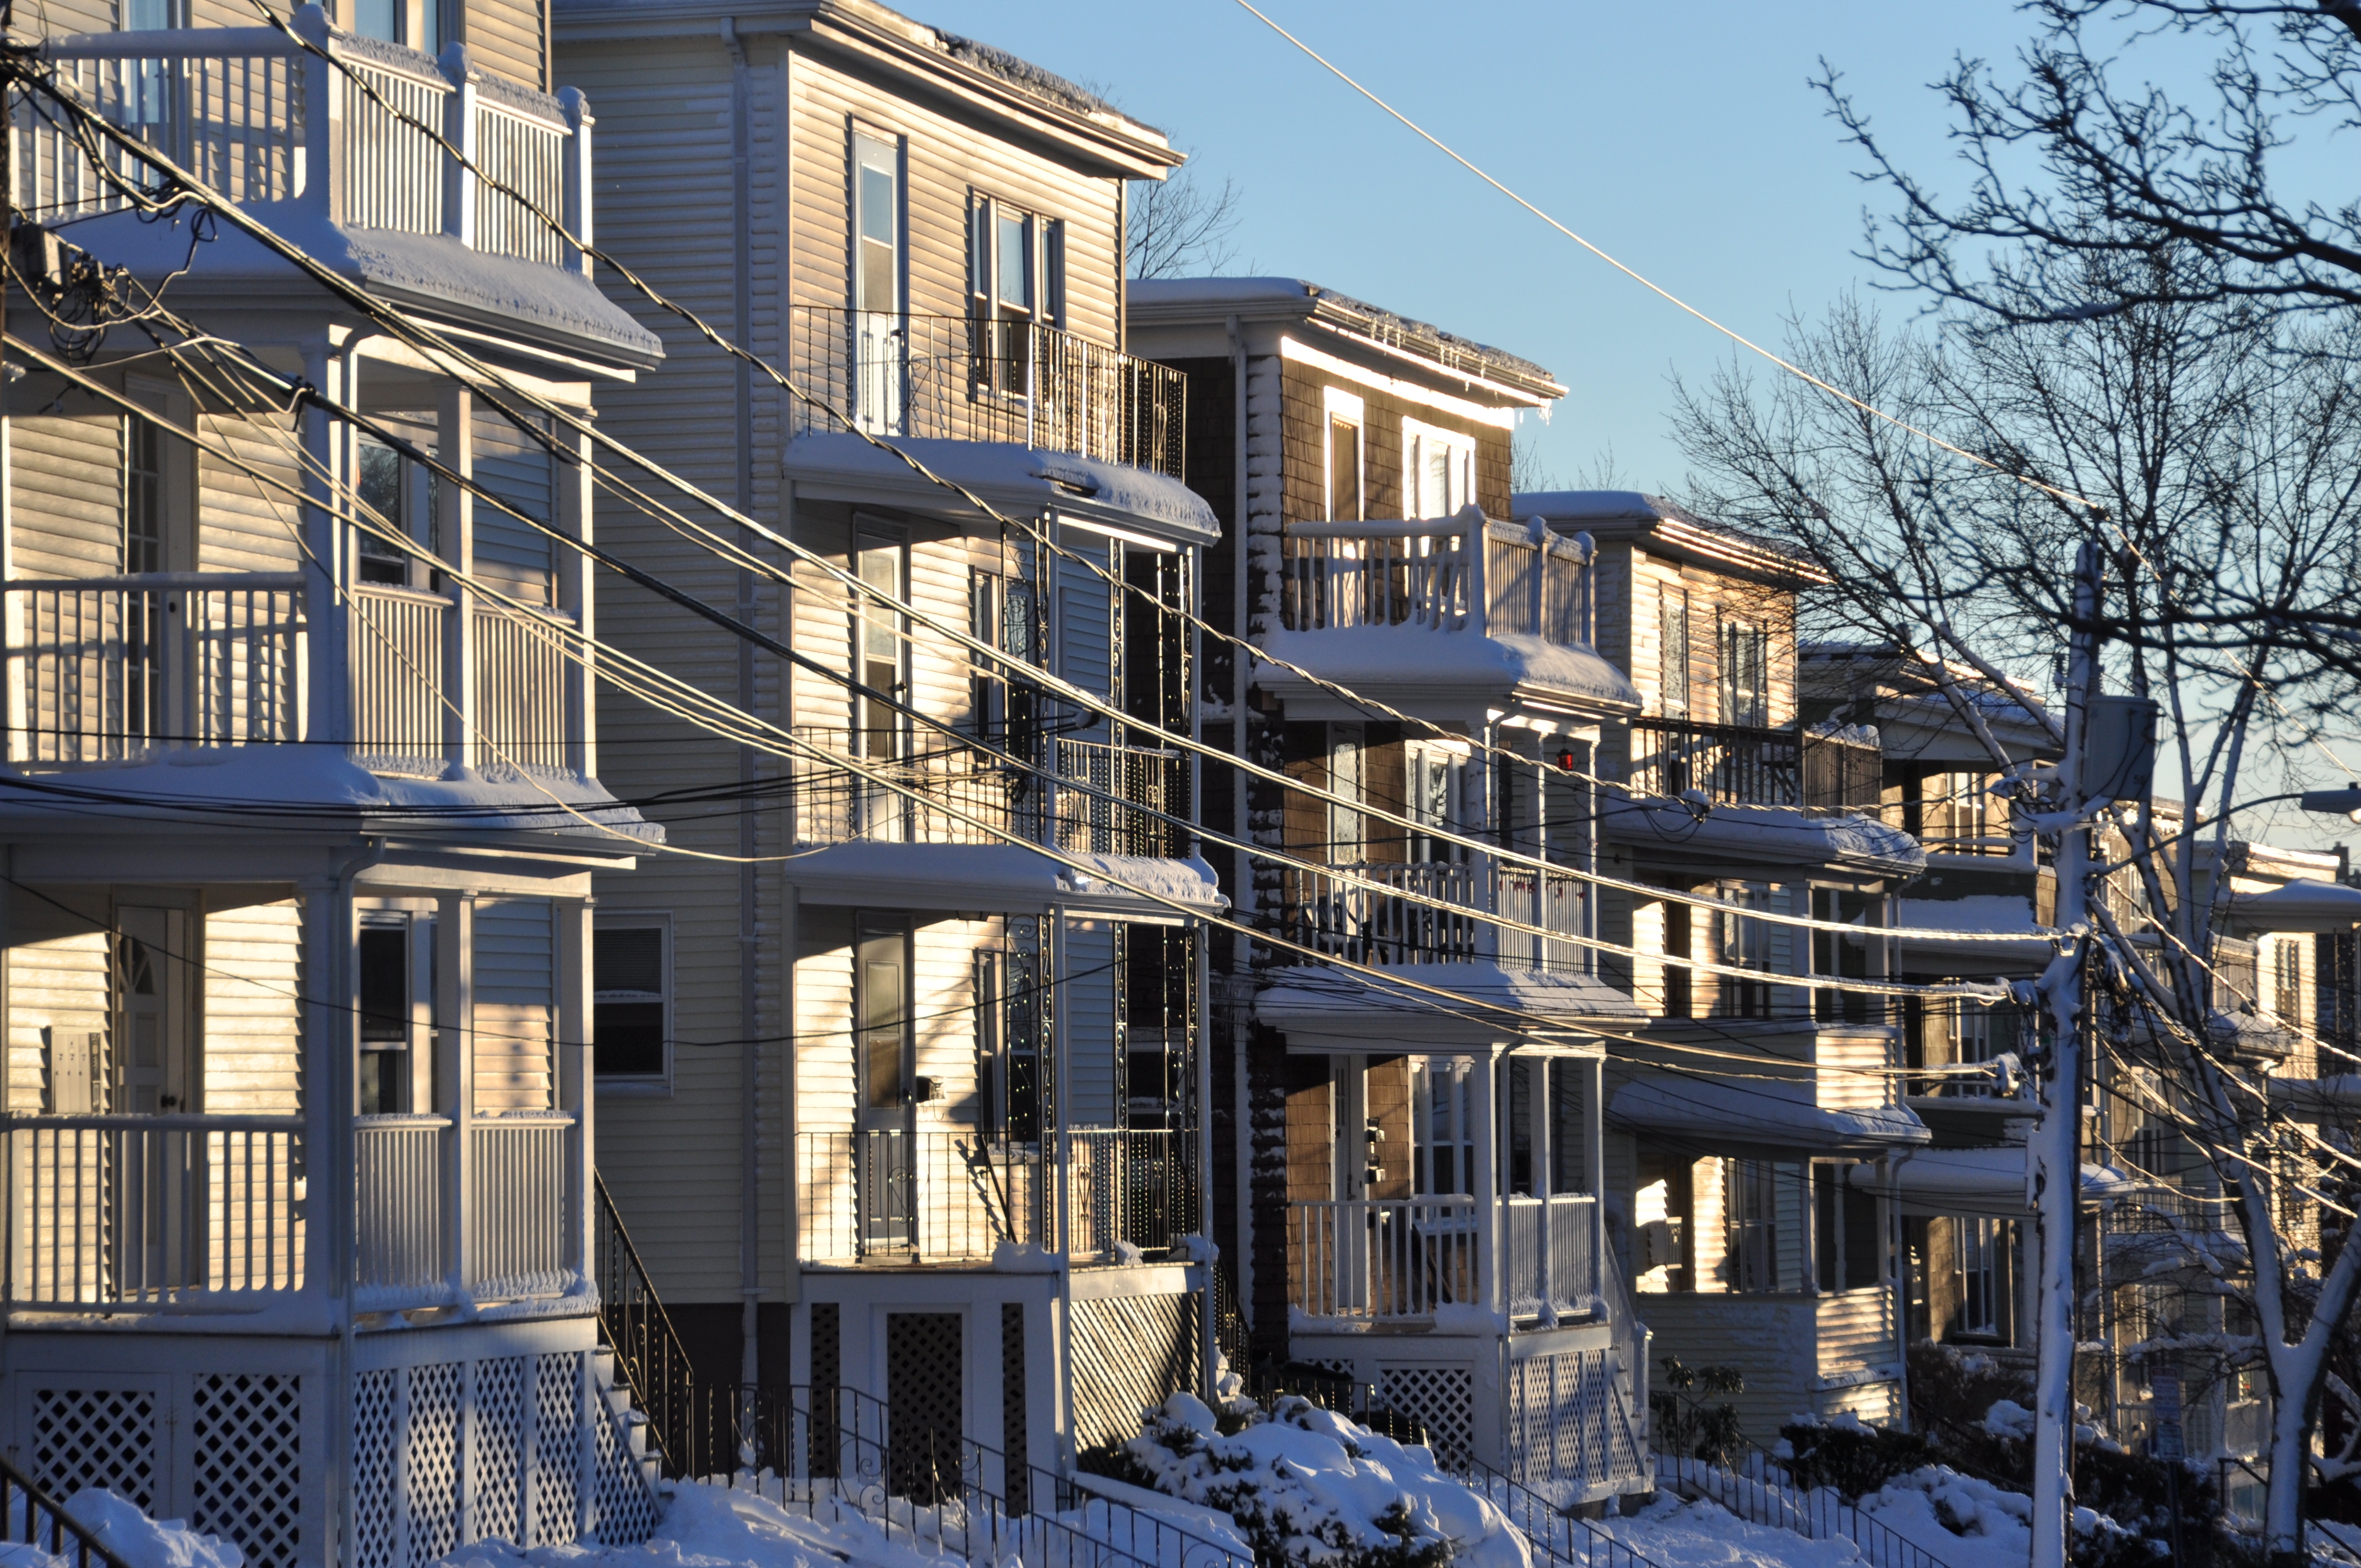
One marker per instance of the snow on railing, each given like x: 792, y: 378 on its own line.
x: 255, y: 114
x: 1525, y: 580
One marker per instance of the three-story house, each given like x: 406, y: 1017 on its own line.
x: 301, y: 810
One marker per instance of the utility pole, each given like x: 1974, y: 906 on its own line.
x: 2054, y: 1154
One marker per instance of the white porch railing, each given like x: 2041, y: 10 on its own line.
x: 104, y: 669
x: 518, y: 1204
x: 250, y: 112
x: 139, y: 1212
x: 1550, y: 1264
x: 1552, y: 900
x: 1380, y: 1259
x: 398, y: 1163
x: 1429, y: 574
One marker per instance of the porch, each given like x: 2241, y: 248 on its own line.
x: 1397, y: 922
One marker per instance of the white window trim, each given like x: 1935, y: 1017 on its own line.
x: 1336, y: 404
x: 643, y: 1085
x: 1417, y: 434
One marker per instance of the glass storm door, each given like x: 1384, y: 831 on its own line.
x: 881, y: 342
x: 884, y: 1049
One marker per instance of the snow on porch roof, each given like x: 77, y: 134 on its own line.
x: 1018, y: 478
x: 2302, y: 905
x: 1979, y: 1183
x: 1773, y: 1116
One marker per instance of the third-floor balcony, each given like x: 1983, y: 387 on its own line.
x: 1736, y: 764
x: 958, y: 378
x: 1740, y: 800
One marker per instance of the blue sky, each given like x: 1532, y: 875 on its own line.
x: 1682, y: 138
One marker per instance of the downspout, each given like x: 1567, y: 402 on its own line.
x: 1242, y: 902
x: 750, y: 957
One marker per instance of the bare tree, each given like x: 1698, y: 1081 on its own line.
x: 1180, y: 227
x: 2221, y: 440
x: 2076, y: 151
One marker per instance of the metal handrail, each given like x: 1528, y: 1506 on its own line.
x: 649, y: 1354
x: 41, y: 1509
x: 1527, y: 1509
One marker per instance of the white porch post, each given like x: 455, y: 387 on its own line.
x: 1484, y: 1119
x: 455, y: 937
x: 572, y: 917
x: 1201, y: 1065
x: 575, y: 501
x: 455, y: 528
x: 326, y: 704
x: 328, y: 1106
x: 1537, y: 1122
x: 1593, y: 1164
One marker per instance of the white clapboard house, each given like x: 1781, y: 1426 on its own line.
x: 300, y: 819
x: 1408, y: 1180
x: 899, y: 1100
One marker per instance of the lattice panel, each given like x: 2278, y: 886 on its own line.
x: 498, y: 1432
x: 1440, y: 1398
x: 623, y: 1512
x: 374, y: 1539
x: 1016, y: 1430
x: 431, y: 1463
x: 557, y: 1445
x: 1131, y: 1352
x: 925, y: 1380
x: 247, y: 1462
x: 96, y: 1437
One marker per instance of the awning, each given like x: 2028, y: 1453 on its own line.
x: 1978, y: 1183
x: 1760, y: 1120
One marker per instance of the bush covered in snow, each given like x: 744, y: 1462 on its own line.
x: 1307, y: 1485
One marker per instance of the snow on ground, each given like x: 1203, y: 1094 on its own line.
x: 123, y: 1529
x: 709, y: 1525
x: 1674, y: 1534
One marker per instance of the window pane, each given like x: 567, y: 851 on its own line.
x: 627, y: 1038
x: 1015, y: 262
x: 1343, y: 471
x: 877, y: 206
x: 148, y: 16
x: 374, y: 20
x: 143, y: 496
x: 384, y: 982
x: 628, y: 959
x: 880, y: 1018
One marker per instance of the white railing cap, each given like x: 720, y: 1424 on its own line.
x: 203, y: 42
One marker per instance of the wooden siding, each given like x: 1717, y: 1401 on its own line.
x: 514, y: 1019
x: 253, y: 1010
x: 1305, y: 437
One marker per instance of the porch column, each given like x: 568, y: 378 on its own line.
x: 325, y: 704
x: 330, y: 1028
x: 1594, y: 1165
x: 572, y: 918
x: 574, y: 502
x: 1200, y: 1065
x: 1484, y: 1119
x: 455, y: 537
x: 1537, y: 1134
x: 455, y: 1061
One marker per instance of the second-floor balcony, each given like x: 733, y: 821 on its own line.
x: 1392, y: 913
x: 962, y: 378
x: 1076, y: 796
x: 1734, y: 764
x: 120, y: 669
x: 348, y: 133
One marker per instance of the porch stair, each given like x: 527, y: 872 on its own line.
x: 48, y: 1528
x: 642, y: 1364
x: 1559, y: 1536
x: 630, y: 1422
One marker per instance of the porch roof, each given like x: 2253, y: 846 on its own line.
x: 1025, y: 480
x: 1328, y: 1011
x: 1770, y: 1118
x: 1743, y: 840
x: 1988, y: 1183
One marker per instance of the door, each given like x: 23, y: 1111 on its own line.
x: 158, y: 1171
x: 880, y: 339
x: 884, y: 1048
x: 881, y: 734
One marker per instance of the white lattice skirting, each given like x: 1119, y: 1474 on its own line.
x: 1565, y: 1424
x: 529, y: 1449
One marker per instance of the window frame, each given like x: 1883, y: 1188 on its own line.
x: 1417, y: 437
x: 635, y: 1083
x: 1733, y: 633
x: 1337, y: 406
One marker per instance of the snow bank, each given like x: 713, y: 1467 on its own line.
x: 1309, y: 1484
x: 1966, y: 1522
x: 123, y: 1529
x: 707, y: 1525
x: 1705, y: 1535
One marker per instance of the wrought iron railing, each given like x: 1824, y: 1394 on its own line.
x: 648, y: 1355
x: 1434, y: 912
x: 29, y: 1513
x: 1736, y: 764
x: 896, y: 789
x: 1559, y: 1536
x: 958, y: 378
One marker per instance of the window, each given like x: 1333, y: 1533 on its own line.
x: 147, y: 86
x: 879, y: 634
x: 385, y: 996
x: 1764, y: 1217
x: 1745, y: 675
x: 1982, y: 1250
x: 1851, y: 1240
x: 1346, y: 760
x: 1443, y: 1139
x: 1017, y: 282
x: 631, y: 1025
x: 1745, y: 944
x: 1438, y: 470
x: 143, y: 495
x: 1431, y: 775
x: 1346, y: 497
x: 881, y: 1024
x: 1005, y: 613
x: 1011, y: 1025
x: 1159, y: 972
x: 1672, y: 660
x: 2287, y: 981
x: 380, y: 493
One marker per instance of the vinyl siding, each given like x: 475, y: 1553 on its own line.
x: 57, y: 984
x: 66, y: 479
x: 509, y: 37
x: 1094, y: 1048
x: 253, y: 1012
x: 512, y: 554
x: 245, y: 526
x: 515, y: 995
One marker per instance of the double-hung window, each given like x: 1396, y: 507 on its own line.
x: 1016, y: 275
x: 1745, y: 674
x: 1438, y: 470
x: 631, y: 1008
x: 1342, y: 455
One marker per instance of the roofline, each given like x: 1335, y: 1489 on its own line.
x: 1679, y: 531
x: 895, y: 43
x: 1292, y: 299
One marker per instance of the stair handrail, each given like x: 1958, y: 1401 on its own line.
x: 1811, y: 1513
x: 1524, y: 1506
x: 39, y: 1506
x: 864, y: 1434
x: 650, y: 1356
